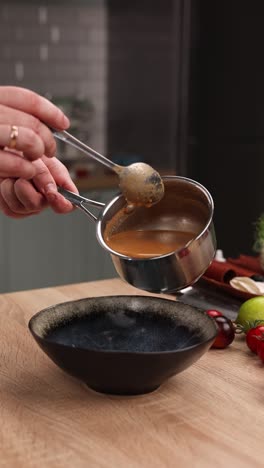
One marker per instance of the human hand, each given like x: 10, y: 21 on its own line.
x: 20, y: 198
x: 29, y: 115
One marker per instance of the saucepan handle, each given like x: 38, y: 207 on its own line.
x: 79, y: 202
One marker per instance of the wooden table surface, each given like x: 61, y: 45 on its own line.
x: 210, y: 415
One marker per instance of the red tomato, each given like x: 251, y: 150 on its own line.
x: 253, y: 338
x: 226, y: 332
x: 214, y: 313
x: 261, y: 350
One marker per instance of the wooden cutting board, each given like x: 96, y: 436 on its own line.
x: 211, y: 415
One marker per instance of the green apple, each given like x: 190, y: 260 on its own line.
x: 251, y: 311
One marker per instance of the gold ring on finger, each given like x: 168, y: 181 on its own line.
x: 13, y: 137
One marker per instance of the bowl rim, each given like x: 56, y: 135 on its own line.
x: 35, y: 317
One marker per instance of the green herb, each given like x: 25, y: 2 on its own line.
x: 259, y: 234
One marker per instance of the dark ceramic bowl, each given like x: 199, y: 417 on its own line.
x: 123, y: 345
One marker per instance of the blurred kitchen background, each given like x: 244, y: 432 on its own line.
x: 174, y: 83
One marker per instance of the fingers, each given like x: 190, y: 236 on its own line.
x: 60, y: 173
x: 19, y: 199
x: 46, y: 181
x: 9, y: 116
x: 28, y: 197
x: 26, y: 141
x: 31, y: 103
x: 14, y: 165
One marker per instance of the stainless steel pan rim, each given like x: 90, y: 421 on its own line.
x: 174, y: 252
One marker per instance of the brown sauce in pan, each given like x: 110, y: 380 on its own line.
x: 148, y: 243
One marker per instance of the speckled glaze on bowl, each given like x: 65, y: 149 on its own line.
x: 123, y: 345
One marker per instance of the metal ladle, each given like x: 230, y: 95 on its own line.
x: 139, y: 182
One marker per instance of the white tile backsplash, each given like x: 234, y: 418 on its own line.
x: 42, y: 15
x: 59, y: 51
x: 55, y: 34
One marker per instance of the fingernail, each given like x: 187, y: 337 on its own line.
x: 50, y: 188
x: 66, y: 121
x: 51, y: 192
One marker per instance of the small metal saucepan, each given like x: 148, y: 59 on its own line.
x: 186, y: 206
